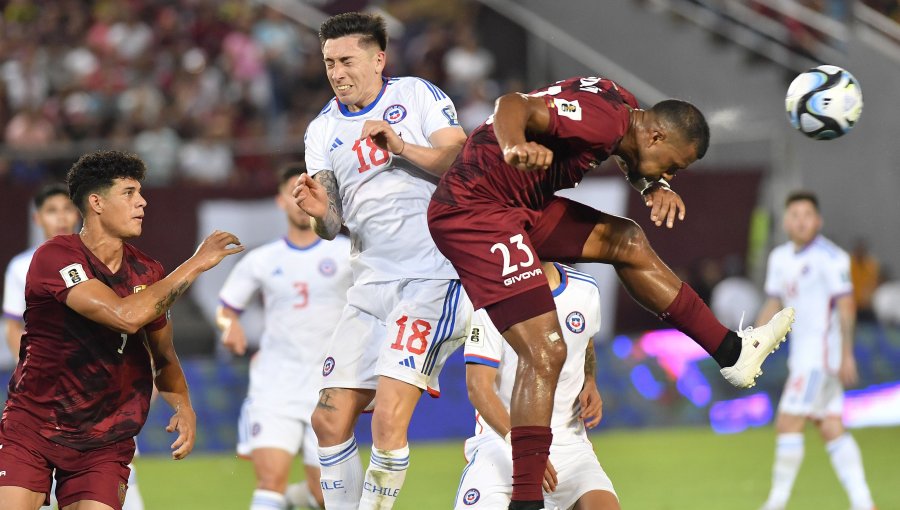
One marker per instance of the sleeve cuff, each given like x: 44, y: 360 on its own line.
x: 475, y: 359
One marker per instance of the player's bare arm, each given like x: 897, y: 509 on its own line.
x: 173, y: 388
x: 514, y: 115
x: 446, y: 144
x: 99, y: 303
x: 233, y: 337
x: 589, y: 398
x: 483, y: 396
x: 14, y: 330
x: 846, y: 308
x: 319, y: 197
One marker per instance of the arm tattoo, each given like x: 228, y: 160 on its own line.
x: 590, y: 360
x: 325, y: 400
x: 329, y: 226
x: 163, y: 304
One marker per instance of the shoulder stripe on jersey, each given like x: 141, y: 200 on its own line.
x: 230, y: 306
x: 583, y: 279
x: 563, y: 279
x: 446, y: 325
x: 327, y: 108
x: 573, y: 271
x: 435, y: 91
x: 477, y: 359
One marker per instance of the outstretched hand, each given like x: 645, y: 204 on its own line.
x: 216, y: 247
x: 665, y: 205
x: 528, y: 156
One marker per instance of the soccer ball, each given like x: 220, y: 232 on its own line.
x: 824, y: 102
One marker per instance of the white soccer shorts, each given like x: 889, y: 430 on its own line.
x: 486, y: 482
x: 812, y: 393
x: 404, y: 329
x: 261, y: 427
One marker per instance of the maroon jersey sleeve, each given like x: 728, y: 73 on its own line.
x: 56, y: 268
x: 161, y: 321
x: 588, y: 113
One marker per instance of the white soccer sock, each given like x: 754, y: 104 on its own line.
x: 267, y: 500
x: 133, y: 499
x: 342, y: 475
x: 788, y: 457
x: 847, y: 462
x: 384, y: 478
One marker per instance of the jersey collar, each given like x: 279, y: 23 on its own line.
x: 301, y: 248
x: 563, y: 280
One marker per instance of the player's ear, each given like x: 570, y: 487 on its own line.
x: 95, y: 202
x: 380, y: 61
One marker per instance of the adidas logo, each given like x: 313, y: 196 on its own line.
x: 409, y: 362
x: 337, y: 143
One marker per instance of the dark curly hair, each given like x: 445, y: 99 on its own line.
x: 290, y: 170
x: 95, y: 172
x: 370, y: 28
x: 50, y: 190
x: 686, y: 119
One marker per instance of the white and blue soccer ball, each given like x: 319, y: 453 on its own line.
x: 824, y: 102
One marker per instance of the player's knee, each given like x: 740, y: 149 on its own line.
x: 548, y: 359
x: 330, y: 426
x: 633, y: 237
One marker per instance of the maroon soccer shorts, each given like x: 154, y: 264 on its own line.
x: 497, y: 251
x: 28, y: 459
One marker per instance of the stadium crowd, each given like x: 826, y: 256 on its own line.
x: 204, y: 91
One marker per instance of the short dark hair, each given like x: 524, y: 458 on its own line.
x: 370, y: 27
x: 801, y: 195
x: 290, y: 170
x: 95, y: 172
x: 687, y: 119
x: 50, y: 190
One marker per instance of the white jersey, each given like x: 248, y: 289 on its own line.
x: 384, y: 198
x: 14, y: 285
x: 810, y: 280
x: 303, y: 292
x: 578, y: 306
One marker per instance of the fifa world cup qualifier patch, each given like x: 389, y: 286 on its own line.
x: 73, y: 274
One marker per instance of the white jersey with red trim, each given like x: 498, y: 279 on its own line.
x: 303, y: 290
x: 578, y: 306
x: 810, y: 279
x: 384, y: 197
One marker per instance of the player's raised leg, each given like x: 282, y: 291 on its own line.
x: 333, y: 420
x: 622, y: 243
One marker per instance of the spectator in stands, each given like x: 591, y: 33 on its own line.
x: 467, y: 62
x: 865, y: 272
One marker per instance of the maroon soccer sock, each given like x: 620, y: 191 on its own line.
x: 530, y: 449
x: 690, y: 315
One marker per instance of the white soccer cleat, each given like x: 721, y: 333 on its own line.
x: 756, y: 345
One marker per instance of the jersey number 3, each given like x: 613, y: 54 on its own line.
x: 376, y: 156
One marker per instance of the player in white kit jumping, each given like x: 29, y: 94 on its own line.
x: 303, y: 283
x: 812, y: 274
x: 574, y: 478
x: 369, y: 153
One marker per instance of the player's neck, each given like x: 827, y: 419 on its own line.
x: 368, y: 98
x: 552, y: 274
x: 627, y: 148
x: 104, y: 246
x: 301, y: 237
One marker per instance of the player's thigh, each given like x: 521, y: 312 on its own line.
x: 20, y: 498
x: 565, y: 229
x: 353, y: 350
x: 427, y: 323
x: 801, y: 395
x: 94, y: 477
x: 579, y: 473
x: 486, y: 482
x: 25, y: 473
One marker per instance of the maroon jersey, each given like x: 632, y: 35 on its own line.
x: 79, y: 383
x: 588, y: 117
